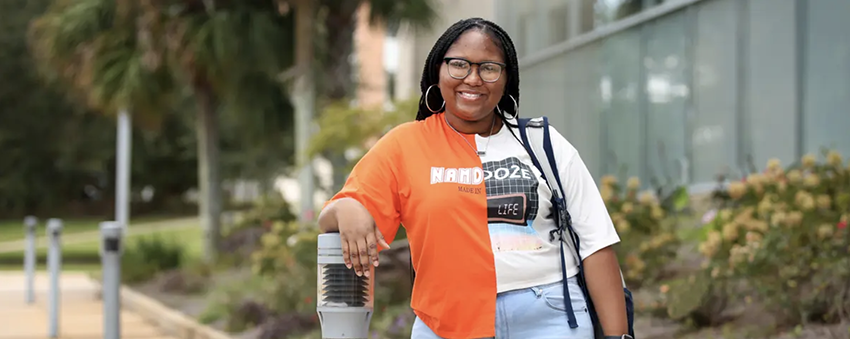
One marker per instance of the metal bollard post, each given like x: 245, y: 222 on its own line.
x: 110, y: 254
x: 54, y: 264
x: 345, y: 301
x: 30, y: 223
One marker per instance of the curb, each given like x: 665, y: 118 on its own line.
x: 170, y: 321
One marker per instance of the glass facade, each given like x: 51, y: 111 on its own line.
x: 686, y: 90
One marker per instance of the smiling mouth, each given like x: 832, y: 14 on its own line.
x: 470, y: 96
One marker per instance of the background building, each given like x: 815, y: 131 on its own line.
x: 686, y: 88
x: 401, y: 53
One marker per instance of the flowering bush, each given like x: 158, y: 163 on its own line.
x: 785, y: 234
x: 648, y: 237
x: 288, y: 255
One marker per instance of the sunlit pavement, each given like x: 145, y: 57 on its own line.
x: 80, y: 316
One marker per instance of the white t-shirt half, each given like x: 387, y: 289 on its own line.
x: 519, y: 210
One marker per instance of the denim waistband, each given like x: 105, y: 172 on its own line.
x: 537, y: 287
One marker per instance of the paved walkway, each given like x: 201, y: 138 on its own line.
x: 80, y: 317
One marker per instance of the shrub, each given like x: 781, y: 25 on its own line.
x: 278, y: 295
x: 243, y: 238
x: 784, y: 232
x: 150, y: 255
x: 649, y: 240
x: 288, y: 256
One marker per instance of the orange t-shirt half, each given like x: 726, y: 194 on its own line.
x: 420, y: 176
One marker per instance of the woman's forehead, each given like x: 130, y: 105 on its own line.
x: 476, y: 45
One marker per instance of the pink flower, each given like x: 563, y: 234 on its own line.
x: 709, y: 216
x: 842, y: 225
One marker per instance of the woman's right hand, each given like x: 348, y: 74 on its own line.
x: 358, y: 233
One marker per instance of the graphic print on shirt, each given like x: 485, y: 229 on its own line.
x: 512, y: 203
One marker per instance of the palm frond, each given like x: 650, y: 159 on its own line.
x: 417, y: 13
x: 98, y: 58
x: 60, y: 37
x: 120, y: 77
x: 226, y: 44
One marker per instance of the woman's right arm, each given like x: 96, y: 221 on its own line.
x: 327, y: 218
x: 367, y: 208
x: 358, y: 229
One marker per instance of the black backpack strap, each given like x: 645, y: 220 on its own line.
x: 549, y: 168
x: 551, y: 178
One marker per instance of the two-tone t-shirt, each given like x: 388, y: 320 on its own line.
x: 477, y: 225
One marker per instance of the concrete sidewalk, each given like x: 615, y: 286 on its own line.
x: 81, y: 311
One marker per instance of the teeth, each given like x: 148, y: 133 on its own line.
x: 469, y: 95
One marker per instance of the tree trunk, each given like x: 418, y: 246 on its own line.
x: 340, y: 22
x: 303, y: 98
x: 209, y: 177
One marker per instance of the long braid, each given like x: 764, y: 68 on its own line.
x: 431, y: 71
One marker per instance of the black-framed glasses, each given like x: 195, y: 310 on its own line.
x: 488, y: 71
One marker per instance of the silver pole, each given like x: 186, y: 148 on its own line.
x: 303, y: 100
x: 54, y: 263
x: 122, y: 168
x: 30, y: 223
x: 110, y: 254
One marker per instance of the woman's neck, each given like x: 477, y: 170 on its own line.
x: 483, y: 127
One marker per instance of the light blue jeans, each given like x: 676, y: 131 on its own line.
x: 532, y: 313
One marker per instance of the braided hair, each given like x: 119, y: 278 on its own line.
x: 431, y: 73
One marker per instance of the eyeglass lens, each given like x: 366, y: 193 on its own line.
x: 488, y: 72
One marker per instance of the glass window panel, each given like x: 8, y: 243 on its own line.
x: 827, y: 79
x: 558, y: 88
x: 583, y: 124
x: 541, y: 90
x: 666, y: 93
x: 558, y: 15
x: 714, y: 131
x: 771, y: 94
x: 619, y: 93
x: 608, y: 11
x: 525, y: 34
x: 588, y: 15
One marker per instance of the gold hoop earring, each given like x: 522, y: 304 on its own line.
x: 427, y: 92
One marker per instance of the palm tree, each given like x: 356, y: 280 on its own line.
x: 146, y: 54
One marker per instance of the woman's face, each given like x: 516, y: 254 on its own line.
x: 472, y: 99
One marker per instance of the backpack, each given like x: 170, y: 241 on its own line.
x: 541, y: 144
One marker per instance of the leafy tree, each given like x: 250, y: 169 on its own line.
x: 348, y: 130
x: 47, y: 159
x: 146, y: 55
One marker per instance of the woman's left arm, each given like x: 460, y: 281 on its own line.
x: 597, y: 234
x: 602, y: 272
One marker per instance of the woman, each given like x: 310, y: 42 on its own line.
x: 476, y: 210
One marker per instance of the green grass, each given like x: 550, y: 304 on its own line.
x: 86, y: 255
x: 87, y: 268
x: 12, y: 230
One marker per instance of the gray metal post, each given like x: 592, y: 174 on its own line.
x: 54, y: 264
x: 122, y: 168
x: 344, y: 300
x: 30, y: 223
x: 110, y: 254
